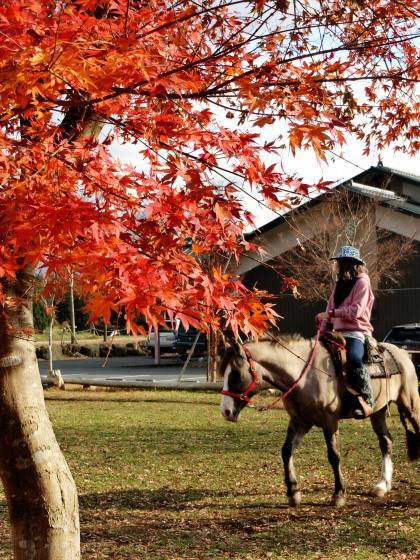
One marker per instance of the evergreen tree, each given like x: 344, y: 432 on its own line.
x: 40, y: 316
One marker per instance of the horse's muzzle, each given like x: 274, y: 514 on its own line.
x: 229, y: 416
x: 230, y: 409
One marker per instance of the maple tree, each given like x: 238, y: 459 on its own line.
x: 193, y: 85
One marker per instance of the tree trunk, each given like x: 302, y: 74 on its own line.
x: 73, y: 339
x: 40, y: 491
x: 157, y: 346
x: 50, y: 342
x: 212, y: 371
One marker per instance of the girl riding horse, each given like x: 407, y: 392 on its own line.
x: 348, y: 312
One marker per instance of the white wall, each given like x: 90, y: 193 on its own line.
x: 284, y: 236
x: 397, y: 222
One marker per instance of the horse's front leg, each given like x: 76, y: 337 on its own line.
x: 295, y: 433
x: 331, y: 439
x: 378, y: 421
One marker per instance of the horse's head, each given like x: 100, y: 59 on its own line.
x: 239, y: 380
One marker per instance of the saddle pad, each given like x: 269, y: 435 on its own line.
x: 384, y: 368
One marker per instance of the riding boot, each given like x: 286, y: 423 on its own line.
x: 359, y: 381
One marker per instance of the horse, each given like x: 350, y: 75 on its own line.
x: 316, y: 399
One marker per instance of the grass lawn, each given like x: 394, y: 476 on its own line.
x: 162, y: 476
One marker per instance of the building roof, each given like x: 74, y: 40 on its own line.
x: 391, y: 171
x: 372, y: 177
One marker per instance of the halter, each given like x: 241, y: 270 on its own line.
x: 244, y: 395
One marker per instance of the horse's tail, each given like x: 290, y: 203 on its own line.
x: 412, y: 438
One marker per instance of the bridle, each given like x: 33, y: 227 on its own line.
x: 255, y: 379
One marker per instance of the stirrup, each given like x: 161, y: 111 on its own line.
x: 363, y: 410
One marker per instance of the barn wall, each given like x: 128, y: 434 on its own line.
x: 297, y: 316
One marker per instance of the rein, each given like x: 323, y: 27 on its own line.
x: 244, y: 395
x: 277, y: 341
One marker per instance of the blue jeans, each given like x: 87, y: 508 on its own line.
x: 355, y: 352
x: 357, y: 375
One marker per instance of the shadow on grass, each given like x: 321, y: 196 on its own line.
x: 165, y: 498
x: 196, y: 524
x: 199, y: 523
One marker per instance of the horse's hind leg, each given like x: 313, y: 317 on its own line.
x: 378, y: 421
x: 409, y: 409
x: 331, y: 439
x: 295, y: 433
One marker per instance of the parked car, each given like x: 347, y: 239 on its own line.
x: 407, y: 337
x: 167, y: 337
x: 185, y: 339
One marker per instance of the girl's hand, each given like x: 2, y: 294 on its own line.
x: 324, y: 316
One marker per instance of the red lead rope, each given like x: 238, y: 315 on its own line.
x: 244, y: 395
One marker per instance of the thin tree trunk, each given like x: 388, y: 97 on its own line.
x: 39, y: 487
x: 157, y: 346
x: 72, y: 313
x: 50, y: 340
x: 212, y: 344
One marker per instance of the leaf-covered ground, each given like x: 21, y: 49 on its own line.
x: 162, y: 476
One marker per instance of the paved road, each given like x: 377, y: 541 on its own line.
x: 133, y: 368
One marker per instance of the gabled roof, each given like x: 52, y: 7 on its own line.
x: 378, y: 170
x: 378, y: 176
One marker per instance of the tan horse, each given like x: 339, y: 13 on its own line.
x: 318, y: 401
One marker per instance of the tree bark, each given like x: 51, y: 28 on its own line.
x: 39, y: 487
x: 212, y: 345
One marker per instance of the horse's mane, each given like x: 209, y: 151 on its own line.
x: 272, y: 336
x: 284, y: 338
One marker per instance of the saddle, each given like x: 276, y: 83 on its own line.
x: 378, y: 360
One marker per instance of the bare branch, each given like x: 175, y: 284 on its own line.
x: 345, y: 218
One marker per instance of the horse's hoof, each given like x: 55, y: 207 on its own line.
x: 295, y: 499
x: 378, y: 491
x: 338, y: 501
x: 381, y: 488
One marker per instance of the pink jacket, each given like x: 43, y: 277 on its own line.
x: 353, y: 314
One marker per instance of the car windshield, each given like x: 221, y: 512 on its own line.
x: 401, y: 335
